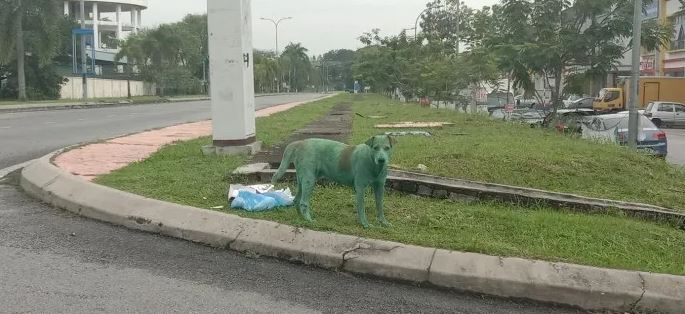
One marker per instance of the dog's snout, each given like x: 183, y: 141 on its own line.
x: 381, y: 160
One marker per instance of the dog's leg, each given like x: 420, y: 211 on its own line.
x: 298, y: 194
x: 378, y: 191
x: 307, y: 183
x: 361, y: 210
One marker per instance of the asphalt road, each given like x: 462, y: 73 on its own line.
x: 56, y: 262
x: 28, y: 135
x: 676, y: 146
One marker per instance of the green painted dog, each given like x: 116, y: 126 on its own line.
x: 357, y: 166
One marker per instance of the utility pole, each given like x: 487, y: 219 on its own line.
x: 635, y: 79
x: 84, y: 84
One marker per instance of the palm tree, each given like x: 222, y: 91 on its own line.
x: 44, y: 36
x: 296, y: 61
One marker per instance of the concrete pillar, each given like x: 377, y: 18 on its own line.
x: 96, y: 26
x: 119, y: 29
x: 140, y: 18
x: 232, y: 77
x: 66, y: 8
x: 134, y: 19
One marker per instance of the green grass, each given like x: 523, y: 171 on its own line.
x: 180, y: 173
x: 498, y: 152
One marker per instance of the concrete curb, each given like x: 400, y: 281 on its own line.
x: 587, y: 287
x: 29, y: 108
x: 455, y: 189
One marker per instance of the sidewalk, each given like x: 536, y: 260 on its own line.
x: 43, y: 106
x: 75, y: 104
x: 97, y: 159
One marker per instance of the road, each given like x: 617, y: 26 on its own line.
x: 56, y: 262
x: 28, y: 135
x: 676, y: 146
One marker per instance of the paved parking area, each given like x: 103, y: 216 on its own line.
x: 676, y: 146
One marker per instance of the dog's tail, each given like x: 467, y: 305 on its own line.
x: 285, y: 162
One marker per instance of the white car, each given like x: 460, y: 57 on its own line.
x: 666, y: 113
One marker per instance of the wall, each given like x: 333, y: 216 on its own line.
x: 105, y: 88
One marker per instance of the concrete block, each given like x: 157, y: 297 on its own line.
x: 251, y: 168
x: 294, y: 244
x: 424, y: 191
x: 249, y: 149
x: 40, y: 176
x: 389, y: 260
x: 663, y: 293
x: 583, y: 286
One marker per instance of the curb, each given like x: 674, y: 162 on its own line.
x: 447, y: 188
x: 583, y: 286
x: 110, y: 104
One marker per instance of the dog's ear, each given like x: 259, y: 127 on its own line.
x: 370, y: 141
x: 392, y: 140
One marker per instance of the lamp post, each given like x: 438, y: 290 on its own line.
x: 634, y: 81
x: 416, y: 24
x: 276, y: 23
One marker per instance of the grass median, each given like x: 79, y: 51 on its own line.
x: 475, y: 148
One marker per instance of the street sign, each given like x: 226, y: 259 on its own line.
x: 509, y: 108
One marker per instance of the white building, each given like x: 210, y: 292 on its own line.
x: 110, y: 20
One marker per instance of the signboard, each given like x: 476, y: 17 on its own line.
x: 647, y: 63
x: 509, y: 108
x: 651, y: 11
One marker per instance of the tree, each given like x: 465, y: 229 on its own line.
x: 338, y: 66
x: 39, y: 39
x: 171, y: 55
x: 266, y: 71
x: 554, y: 39
x: 296, y: 62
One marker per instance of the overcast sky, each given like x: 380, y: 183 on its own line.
x: 320, y: 25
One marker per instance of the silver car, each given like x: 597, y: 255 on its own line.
x: 666, y: 113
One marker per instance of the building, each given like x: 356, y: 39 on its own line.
x: 669, y: 60
x: 111, y: 22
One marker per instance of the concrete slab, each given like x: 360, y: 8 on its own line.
x: 663, y: 292
x: 295, y: 244
x: 587, y: 287
x: 390, y: 260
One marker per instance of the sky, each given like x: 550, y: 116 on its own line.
x: 320, y: 25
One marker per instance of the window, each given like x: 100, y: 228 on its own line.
x: 666, y: 108
x: 679, y: 108
x: 612, y: 95
x: 649, y: 107
x: 678, y: 41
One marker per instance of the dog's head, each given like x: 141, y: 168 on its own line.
x: 381, y: 148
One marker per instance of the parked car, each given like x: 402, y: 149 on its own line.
x: 531, y: 117
x: 650, y: 137
x: 571, y: 99
x: 498, y: 114
x: 582, y: 103
x: 666, y: 113
x: 568, y: 120
x: 521, y: 102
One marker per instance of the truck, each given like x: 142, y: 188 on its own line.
x: 649, y: 89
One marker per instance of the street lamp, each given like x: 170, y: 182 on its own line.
x: 416, y: 24
x: 276, y: 25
